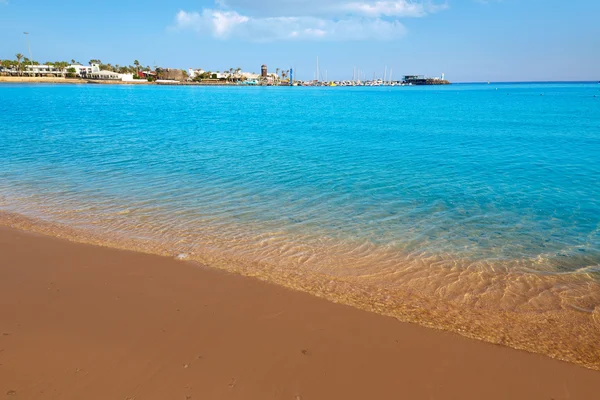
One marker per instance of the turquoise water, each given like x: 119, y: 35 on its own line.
x: 421, y: 190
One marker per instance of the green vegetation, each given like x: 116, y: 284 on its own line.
x: 17, y: 66
x: 71, y: 73
x: 19, y: 58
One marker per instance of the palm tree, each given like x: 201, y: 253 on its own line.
x: 137, y: 66
x: 19, y: 58
x: 277, y: 72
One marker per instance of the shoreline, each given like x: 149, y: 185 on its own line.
x: 550, y: 333
x: 568, y: 334
x: 80, y: 320
x: 42, y: 80
x: 24, y: 79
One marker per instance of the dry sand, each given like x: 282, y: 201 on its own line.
x: 85, y: 322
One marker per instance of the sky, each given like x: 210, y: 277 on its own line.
x: 468, y: 40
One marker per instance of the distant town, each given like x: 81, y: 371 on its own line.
x: 97, y: 72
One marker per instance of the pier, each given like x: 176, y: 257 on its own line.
x: 422, y: 80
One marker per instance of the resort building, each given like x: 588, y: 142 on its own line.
x: 126, y: 77
x: 193, y: 73
x: 147, y: 74
x: 42, y: 70
x: 83, y: 71
x: 221, y: 75
x: 104, y: 75
x: 249, y: 75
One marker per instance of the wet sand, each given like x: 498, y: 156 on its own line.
x: 85, y: 322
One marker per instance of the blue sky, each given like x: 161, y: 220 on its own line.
x: 469, y: 40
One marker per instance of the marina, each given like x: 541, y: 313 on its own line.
x: 96, y: 72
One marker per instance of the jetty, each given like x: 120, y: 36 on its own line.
x: 422, y: 80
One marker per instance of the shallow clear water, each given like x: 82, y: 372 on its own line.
x: 477, y: 197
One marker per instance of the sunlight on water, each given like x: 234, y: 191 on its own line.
x: 463, y: 208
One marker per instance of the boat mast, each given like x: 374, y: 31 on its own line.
x: 317, y: 69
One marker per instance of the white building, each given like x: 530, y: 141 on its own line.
x: 193, y: 73
x: 42, y: 70
x: 84, y: 70
x: 249, y: 75
x: 104, y: 75
x: 127, y: 77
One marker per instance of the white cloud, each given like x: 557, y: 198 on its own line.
x: 219, y: 23
x: 403, y: 8
x: 394, y: 8
x: 270, y: 20
x: 229, y: 24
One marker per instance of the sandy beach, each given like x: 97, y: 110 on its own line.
x: 26, y: 79
x: 85, y: 322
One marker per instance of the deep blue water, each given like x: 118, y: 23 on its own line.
x: 505, y: 172
x: 474, y: 208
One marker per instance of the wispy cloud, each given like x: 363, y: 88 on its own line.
x: 230, y: 24
x: 335, y: 20
x: 394, y: 8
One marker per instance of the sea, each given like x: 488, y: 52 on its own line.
x: 472, y: 208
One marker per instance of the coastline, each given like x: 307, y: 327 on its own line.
x: 570, y: 337
x: 24, y: 79
x: 85, y: 321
